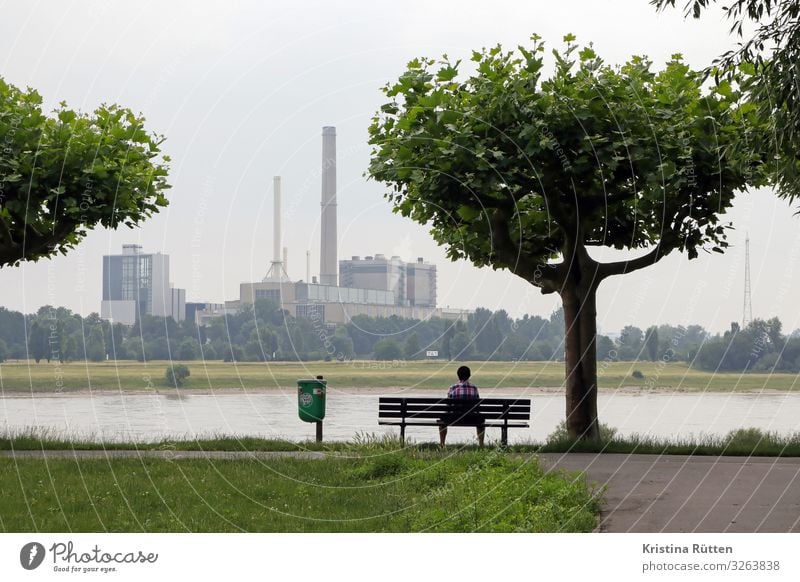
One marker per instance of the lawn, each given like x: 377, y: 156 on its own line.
x: 382, y: 491
x: 216, y: 375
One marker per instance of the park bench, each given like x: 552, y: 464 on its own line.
x: 504, y: 413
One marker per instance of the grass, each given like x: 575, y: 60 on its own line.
x: 382, y: 491
x: 27, y: 376
x: 741, y: 442
x: 738, y: 443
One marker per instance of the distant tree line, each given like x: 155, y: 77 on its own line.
x: 264, y: 332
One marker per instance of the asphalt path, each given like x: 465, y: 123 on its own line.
x: 702, y: 494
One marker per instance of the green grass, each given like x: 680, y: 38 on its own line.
x: 214, y: 375
x: 742, y: 442
x: 386, y: 491
x: 737, y: 443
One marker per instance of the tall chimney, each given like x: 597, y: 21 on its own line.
x: 285, y: 260
x: 276, y: 228
x: 328, y: 260
x: 277, y: 269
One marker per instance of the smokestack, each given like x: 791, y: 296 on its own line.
x: 328, y: 259
x: 276, y: 241
x: 277, y: 269
x: 285, y: 260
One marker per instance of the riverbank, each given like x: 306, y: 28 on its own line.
x: 746, y: 442
x: 207, y: 377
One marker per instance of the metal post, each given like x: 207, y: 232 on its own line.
x: 319, y: 431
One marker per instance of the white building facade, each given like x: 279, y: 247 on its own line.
x: 137, y: 284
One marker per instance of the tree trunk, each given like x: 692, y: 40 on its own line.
x: 580, y: 356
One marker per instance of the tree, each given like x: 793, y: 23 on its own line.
x: 342, y: 344
x: 176, y: 375
x: 64, y: 174
x: 651, y: 343
x: 519, y: 173
x: 96, y: 345
x: 209, y: 352
x: 387, y: 349
x: 3, y: 351
x: 188, y: 349
x: 630, y: 343
x: 769, y: 58
x: 461, y: 346
x: 447, y: 340
x: 37, y: 343
x: 411, y: 347
x: 606, y: 350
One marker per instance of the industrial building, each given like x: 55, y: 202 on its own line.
x: 374, y: 286
x: 136, y: 284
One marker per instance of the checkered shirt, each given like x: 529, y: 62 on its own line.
x: 463, y: 390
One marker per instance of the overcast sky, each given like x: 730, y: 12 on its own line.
x: 242, y: 89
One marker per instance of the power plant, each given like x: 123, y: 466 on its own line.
x: 374, y: 286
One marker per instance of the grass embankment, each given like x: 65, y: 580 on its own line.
x: 214, y: 375
x: 386, y: 491
x: 742, y: 442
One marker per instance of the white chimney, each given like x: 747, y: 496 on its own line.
x: 277, y: 269
x: 328, y: 259
x: 276, y: 218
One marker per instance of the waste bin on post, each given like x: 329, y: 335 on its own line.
x: 311, y: 402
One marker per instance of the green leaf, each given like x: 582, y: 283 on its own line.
x: 468, y: 213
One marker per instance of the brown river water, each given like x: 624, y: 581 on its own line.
x: 147, y: 417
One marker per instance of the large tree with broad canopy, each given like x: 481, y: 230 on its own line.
x: 516, y: 171
x: 64, y: 174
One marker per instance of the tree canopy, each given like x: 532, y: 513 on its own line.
x: 516, y: 171
x: 768, y: 56
x: 64, y: 174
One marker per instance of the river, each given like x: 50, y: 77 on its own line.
x: 146, y: 417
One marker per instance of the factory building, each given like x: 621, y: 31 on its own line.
x: 374, y: 286
x: 376, y: 272
x: 421, y: 283
x: 136, y: 284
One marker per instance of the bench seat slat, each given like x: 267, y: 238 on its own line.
x: 438, y: 405
x: 488, y: 424
x: 490, y: 416
x: 423, y: 400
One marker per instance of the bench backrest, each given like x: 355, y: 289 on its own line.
x: 433, y: 408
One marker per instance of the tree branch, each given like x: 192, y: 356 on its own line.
x: 592, y: 204
x: 622, y: 267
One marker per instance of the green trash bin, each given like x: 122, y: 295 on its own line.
x: 311, y: 399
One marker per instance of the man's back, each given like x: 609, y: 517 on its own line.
x: 463, y: 389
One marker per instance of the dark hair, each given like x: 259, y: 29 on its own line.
x: 463, y: 373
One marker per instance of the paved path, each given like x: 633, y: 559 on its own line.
x: 644, y: 493
x: 677, y: 493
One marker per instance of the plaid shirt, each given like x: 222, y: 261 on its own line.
x: 463, y: 390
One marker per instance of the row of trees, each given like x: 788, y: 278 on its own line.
x: 264, y: 332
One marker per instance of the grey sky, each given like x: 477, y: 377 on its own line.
x: 242, y: 89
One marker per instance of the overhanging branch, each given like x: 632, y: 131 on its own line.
x: 622, y: 267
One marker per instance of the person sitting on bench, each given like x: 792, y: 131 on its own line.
x: 462, y: 390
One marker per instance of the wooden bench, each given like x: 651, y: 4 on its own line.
x: 504, y: 413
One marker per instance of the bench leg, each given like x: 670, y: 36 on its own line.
x: 402, y: 435
x: 504, y: 436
